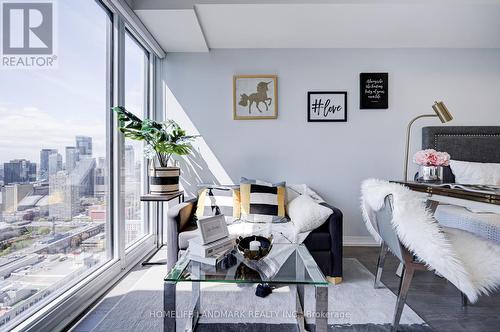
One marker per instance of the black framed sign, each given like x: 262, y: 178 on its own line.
x: 327, y: 106
x: 374, y: 90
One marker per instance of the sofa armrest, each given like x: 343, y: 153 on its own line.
x: 178, y: 216
x: 335, y: 228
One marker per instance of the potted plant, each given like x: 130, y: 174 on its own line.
x: 431, y: 164
x: 163, y: 140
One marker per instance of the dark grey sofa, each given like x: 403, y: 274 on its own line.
x: 324, y: 243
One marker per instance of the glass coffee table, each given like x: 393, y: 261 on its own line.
x: 287, y: 264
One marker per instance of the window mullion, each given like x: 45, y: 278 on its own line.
x: 109, y: 140
x: 118, y: 140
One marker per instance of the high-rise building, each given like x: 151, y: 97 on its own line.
x: 55, y: 163
x: 13, y: 194
x: 84, y: 145
x: 129, y: 161
x: 83, y: 177
x: 44, y: 162
x: 62, y: 201
x: 100, y: 178
x: 19, y: 171
x: 31, y: 172
x: 66, y: 190
x: 134, y: 229
x: 72, y: 157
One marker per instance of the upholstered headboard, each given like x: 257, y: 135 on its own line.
x: 467, y: 143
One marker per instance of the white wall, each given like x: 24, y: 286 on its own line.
x: 332, y: 158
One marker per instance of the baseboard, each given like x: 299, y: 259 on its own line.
x: 360, y: 241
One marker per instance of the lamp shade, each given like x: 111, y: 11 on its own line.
x: 442, y: 112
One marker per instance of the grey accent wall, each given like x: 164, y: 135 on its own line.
x: 333, y: 158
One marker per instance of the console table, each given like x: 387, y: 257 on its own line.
x: 456, y: 196
x: 158, y: 200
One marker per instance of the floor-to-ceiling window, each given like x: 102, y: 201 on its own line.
x: 136, y: 101
x: 54, y: 208
x: 71, y: 220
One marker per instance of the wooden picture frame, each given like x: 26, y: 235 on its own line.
x: 255, y: 97
x: 325, y: 105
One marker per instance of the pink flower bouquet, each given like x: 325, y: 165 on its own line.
x: 431, y: 157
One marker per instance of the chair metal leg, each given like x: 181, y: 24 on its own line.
x: 464, y: 300
x: 380, y: 264
x: 403, y: 291
x: 399, y: 270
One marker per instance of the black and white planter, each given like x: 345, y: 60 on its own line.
x: 164, y: 180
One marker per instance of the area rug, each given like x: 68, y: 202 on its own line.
x: 354, y: 305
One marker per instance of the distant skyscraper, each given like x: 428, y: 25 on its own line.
x: 13, y: 194
x: 31, y: 172
x: 19, y: 171
x: 134, y: 229
x: 100, y: 178
x: 55, y: 163
x: 44, y: 162
x: 83, y: 177
x: 84, y: 145
x: 72, y: 156
x: 63, y: 202
x: 129, y: 161
x: 67, y: 190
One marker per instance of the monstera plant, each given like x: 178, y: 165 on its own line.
x: 163, y: 140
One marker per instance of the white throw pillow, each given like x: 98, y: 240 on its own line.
x: 467, y: 172
x: 295, y: 190
x: 307, y: 215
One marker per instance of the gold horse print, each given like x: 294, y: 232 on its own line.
x: 257, y: 97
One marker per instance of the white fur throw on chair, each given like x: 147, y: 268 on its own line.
x: 471, y: 263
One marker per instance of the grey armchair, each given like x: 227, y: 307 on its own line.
x: 390, y: 241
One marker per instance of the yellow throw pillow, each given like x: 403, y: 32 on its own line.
x: 215, y: 200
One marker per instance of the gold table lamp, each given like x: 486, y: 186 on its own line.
x: 441, y: 112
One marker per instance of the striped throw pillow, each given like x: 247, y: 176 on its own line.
x: 262, y: 201
x: 215, y: 200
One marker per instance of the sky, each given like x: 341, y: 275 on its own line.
x: 47, y: 108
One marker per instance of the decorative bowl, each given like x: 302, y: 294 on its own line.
x: 243, y: 246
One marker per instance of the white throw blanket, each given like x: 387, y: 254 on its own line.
x: 469, y: 262
x: 282, y: 232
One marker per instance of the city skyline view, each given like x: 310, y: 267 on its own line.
x: 63, y: 102
x: 57, y: 222
x: 53, y: 207
x: 53, y: 225
x: 52, y: 160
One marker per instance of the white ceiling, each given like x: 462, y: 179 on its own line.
x: 196, y: 26
x: 176, y: 30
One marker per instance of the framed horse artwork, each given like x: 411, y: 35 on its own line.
x: 255, y: 97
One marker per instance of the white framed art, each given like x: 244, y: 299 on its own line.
x: 212, y: 228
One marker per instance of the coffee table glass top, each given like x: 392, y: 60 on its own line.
x: 285, y: 264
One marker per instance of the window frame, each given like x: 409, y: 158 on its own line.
x: 70, y: 304
x: 148, y: 113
